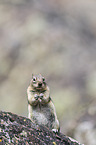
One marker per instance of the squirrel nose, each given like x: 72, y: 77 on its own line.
x: 40, y: 84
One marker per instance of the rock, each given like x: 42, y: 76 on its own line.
x: 15, y: 129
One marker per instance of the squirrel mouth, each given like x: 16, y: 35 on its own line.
x: 39, y: 88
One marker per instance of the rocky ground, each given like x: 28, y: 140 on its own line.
x: 18, y: 130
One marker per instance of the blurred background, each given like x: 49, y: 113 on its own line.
x: 56, y: 38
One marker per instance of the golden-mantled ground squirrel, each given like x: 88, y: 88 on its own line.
x: 41, y: 109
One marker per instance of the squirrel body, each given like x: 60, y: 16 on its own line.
x: 41, y: 109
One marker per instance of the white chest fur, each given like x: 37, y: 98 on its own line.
x: 40, y: 118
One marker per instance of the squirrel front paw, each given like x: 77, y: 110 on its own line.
x: 36, y: 96
x: 41, y: 96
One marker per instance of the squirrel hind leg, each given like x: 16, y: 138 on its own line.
x: 55, y: 130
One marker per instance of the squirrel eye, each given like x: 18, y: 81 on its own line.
x: 43, y: 79
x: 34, y: 79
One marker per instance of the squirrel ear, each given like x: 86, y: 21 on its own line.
x: 40, y: 75
x: 32, y: 75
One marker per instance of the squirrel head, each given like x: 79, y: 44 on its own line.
x: 38, y: 82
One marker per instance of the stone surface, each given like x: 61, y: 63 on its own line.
x: 15, y: 129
